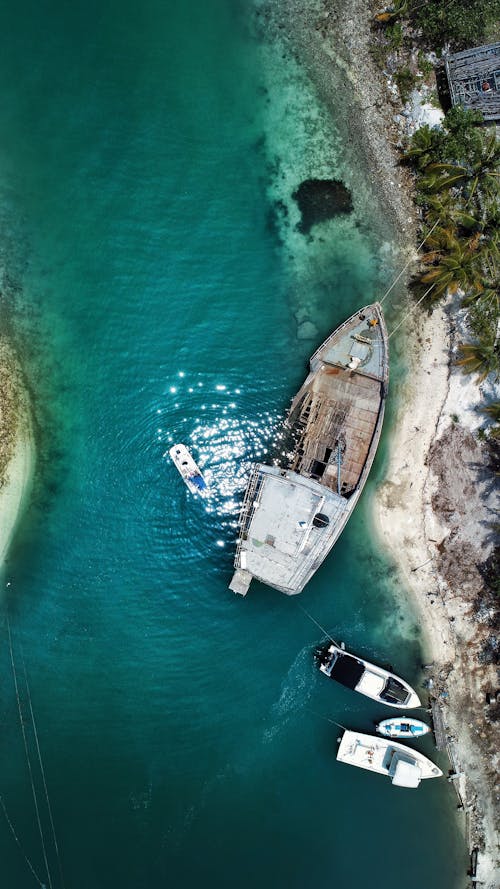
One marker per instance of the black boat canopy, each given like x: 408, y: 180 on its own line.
x: 347, y: 670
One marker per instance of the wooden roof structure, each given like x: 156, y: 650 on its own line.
x: 474, y: 79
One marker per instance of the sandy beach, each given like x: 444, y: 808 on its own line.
x: 433, y: 512
x: 16, y: 448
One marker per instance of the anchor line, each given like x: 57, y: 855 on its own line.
x: 322, y: 716
x: 42, y: 770
x: 403, y: 319
x: 317, y: 623
x: 16, y: 838
x: 408, y: 264
x: 30, y: 770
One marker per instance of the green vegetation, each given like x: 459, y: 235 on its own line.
x: 457, y: 170
x: 405, y: 80
x: 424, y: 65
x: 458, y: 22
x: 394, y: 35
x: 458, y: 188
x: 493, y: 411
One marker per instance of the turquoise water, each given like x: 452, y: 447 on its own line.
x: 158, y: 298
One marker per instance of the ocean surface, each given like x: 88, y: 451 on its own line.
x: 159, y: 291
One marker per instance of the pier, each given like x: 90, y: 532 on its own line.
x: 438, y: 725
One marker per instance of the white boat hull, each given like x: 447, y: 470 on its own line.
x: 368, y: 679
x: 403, y: 727
x: 189, y: 470
x: 405, y: 767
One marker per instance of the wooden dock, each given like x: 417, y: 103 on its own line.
x: 438, y: 725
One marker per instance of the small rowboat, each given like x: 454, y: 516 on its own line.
x: 188, y: 469
x: 402, y: 727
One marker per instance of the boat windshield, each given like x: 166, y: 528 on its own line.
x: 394, y: 692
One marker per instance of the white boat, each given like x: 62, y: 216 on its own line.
x: 402, y: 727
x: 368, y: 679
x: 189, y: 470
x: 405, y: 767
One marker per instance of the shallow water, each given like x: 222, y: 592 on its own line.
x: 161, y: 300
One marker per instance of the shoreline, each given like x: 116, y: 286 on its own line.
x: 431, y: 512
x: 418, y: 535
x: 17, y: 451
x: 401, y: 501
x: 424, y: 529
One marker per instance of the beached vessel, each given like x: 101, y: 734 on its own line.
x: 402, y: 727
x: 292, y: 514
x: 189, y: 470
x: 405, y: 767
x: 369, y: 679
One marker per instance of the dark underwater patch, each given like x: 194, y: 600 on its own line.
x: 320, y: 200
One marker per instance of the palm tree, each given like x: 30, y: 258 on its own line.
x: 486, y: 287
x: 454, y: 263
x: 480, y: 358
x: 482, y: 171
x: 493, y: 411
x: 450, y: 212
x: 422, y: 144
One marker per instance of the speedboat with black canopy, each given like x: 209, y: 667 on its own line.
x: 366, y: 678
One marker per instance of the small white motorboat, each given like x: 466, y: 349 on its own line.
x: 405, y: 767
x: 188, y: 469
x: 402, y: 727
x: 367, y: 678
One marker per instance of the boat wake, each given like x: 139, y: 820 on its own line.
x: 296, y: 689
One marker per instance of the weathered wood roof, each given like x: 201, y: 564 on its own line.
x: 474, y: 79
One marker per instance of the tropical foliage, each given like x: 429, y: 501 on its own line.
x: 454, y: 21
x: 493, y: 412
x: 458, y: 188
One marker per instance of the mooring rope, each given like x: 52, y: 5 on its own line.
x: 317, y: 623
x: 408, y: 264
x: 16, y: 838
x: 23, y: 730
x: 322, y: 716
x: 42, y: 770
x: 403, y: 319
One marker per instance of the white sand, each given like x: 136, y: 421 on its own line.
x: 403, y: 499
x: 413, y: 532
x: 16, y: 436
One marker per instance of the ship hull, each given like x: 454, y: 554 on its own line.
x: 293, y: 514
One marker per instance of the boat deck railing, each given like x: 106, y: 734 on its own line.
x: 248, y: 508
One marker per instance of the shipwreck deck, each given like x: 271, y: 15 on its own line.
x: 294, y: 511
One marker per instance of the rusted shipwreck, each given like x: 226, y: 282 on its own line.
x: 292, y: 514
